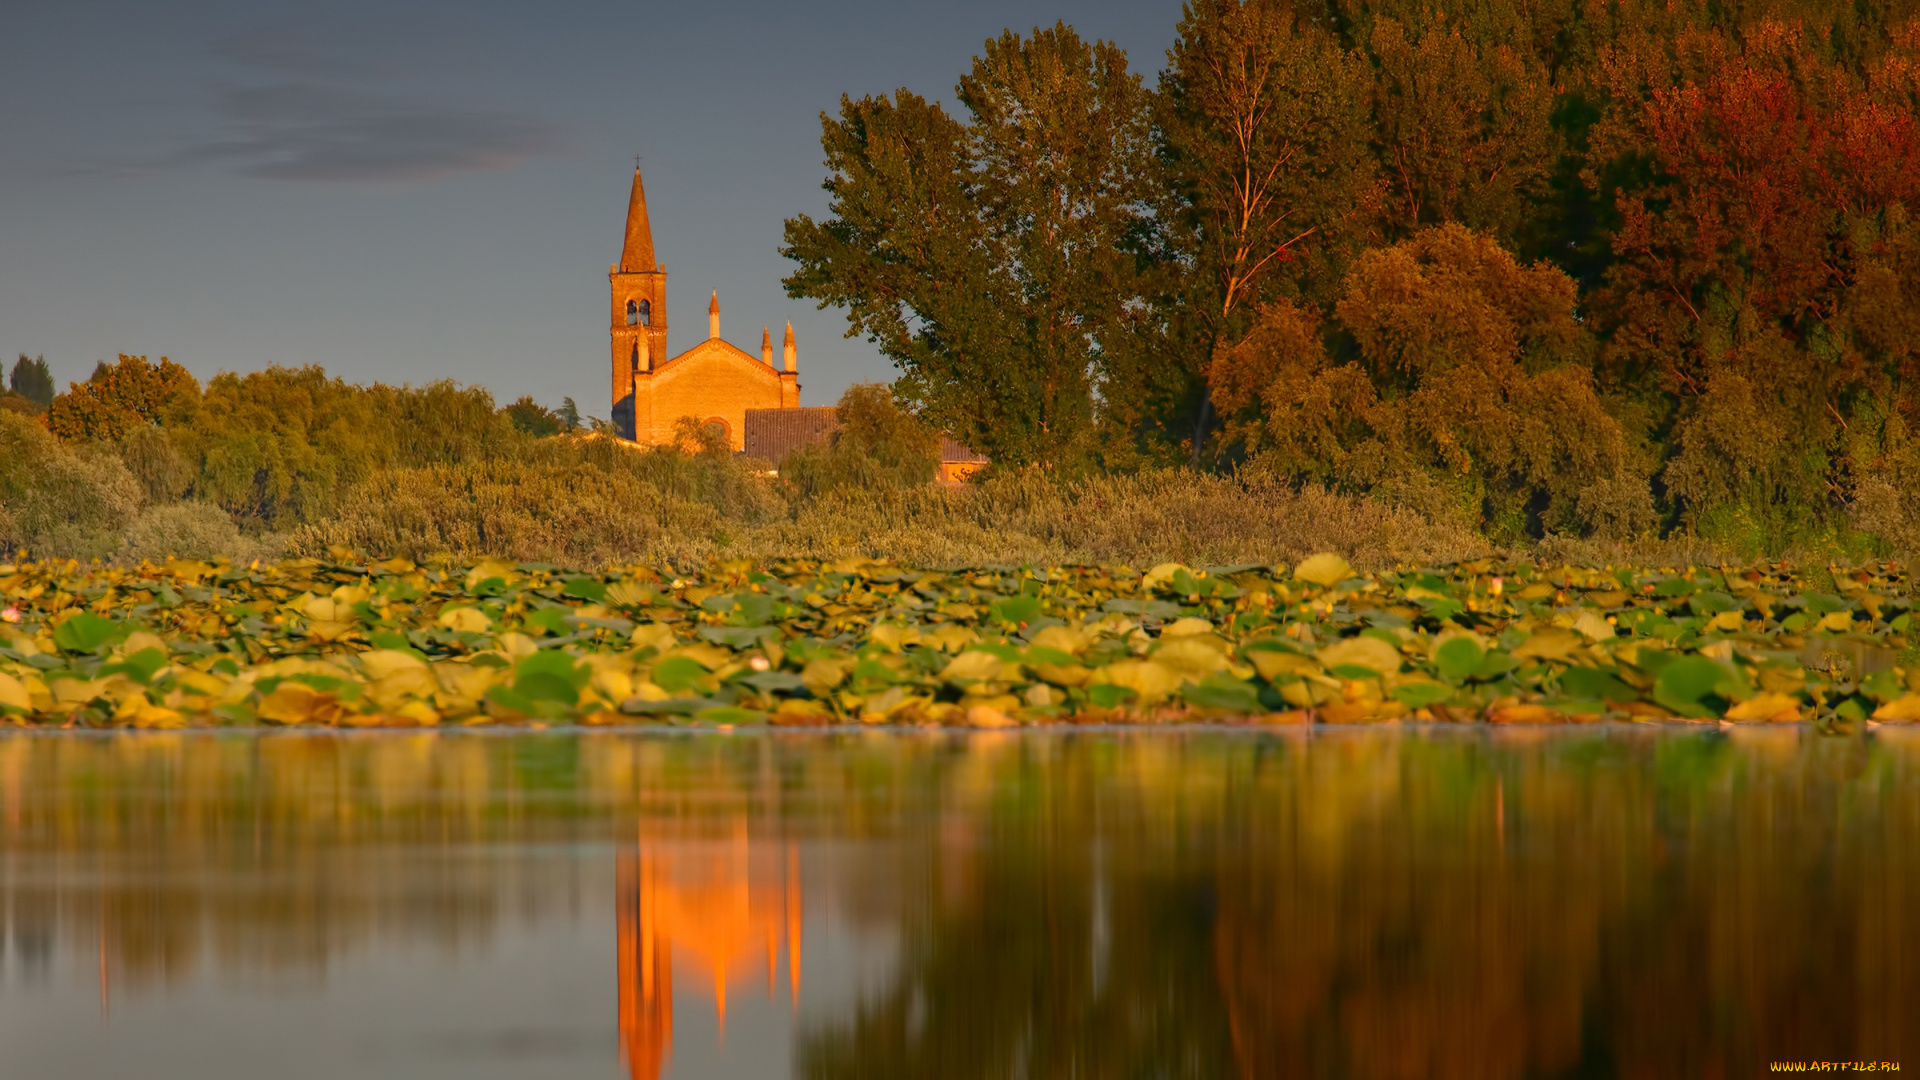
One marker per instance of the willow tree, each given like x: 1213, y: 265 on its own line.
x: 994, y: 259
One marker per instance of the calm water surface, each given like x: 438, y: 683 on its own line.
x: 1617, y: 902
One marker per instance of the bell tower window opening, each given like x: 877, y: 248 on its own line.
x: 646, y: 313
x: 633, y: 313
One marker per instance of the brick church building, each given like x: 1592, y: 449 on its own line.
x: 714, y: 381
x: 755, y: 404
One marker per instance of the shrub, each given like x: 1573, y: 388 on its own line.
x: 192, y: 530
x: 149, y: 454
x: 60, y: 501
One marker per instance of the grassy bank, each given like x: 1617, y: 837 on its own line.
x: 399, y: 643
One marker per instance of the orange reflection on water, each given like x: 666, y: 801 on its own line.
x: 716, y: 909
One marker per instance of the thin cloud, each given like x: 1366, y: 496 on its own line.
x: 321, y: 134
x: 275, y: 50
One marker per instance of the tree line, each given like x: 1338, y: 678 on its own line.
x: 1601, y: 268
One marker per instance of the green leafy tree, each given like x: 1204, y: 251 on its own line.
x: 1464, y: 128
x: 569, y: 415
x: 532, y: 418
x: 32, y: 380
x: 993, y: 260
x: 876, y: 445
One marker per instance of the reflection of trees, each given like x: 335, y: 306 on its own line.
x: 1364, y: 904
x: 157, y: 855
x: 1386, y: 906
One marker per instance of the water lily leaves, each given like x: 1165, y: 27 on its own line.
x: 1595, y: 684
x: 1220, y: 691
x: 1458, y: 658
x: 1193, y: 655
x: 729, y: 716
x: 585, y: 588
x: 1593, y: 626
x: 467, y: 620
x: 822, y: 674
x: 679, y: 674
x: 13, y: 694
x: 1709, y: 602
x: 1275, y: 660
x: 85, y: 632
x: 1548, y: 643
x: 552, y: 676
x: 1698, y: 686
x: 140, y: 666
x: 1420, y: 694
x: 389, y: 643
x: 1323, y: 569
x: 1151, y: 680
x: 973, y: 665
x: 1371, y: 656
x: 741, y: 609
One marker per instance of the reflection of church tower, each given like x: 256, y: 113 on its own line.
x: 645, y: 971
x: 719, y: 907
x: 639, y: 323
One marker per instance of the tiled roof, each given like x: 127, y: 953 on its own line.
x: 951, y: 451
x: 772, y: 434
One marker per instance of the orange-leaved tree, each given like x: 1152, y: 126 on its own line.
x: 122, y: 396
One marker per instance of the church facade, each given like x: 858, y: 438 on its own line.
x: 714, y: 381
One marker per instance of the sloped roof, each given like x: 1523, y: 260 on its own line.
x: 772, y: 434
x: 717, y: 349
x: 954, y: 453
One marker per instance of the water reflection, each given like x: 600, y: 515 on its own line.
x: 1361, y: 904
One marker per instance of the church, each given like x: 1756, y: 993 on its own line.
x: 713, y: 381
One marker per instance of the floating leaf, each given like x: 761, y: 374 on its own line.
x: 85, y: 632
x: 1458, y: 658
x: 1323, y: 569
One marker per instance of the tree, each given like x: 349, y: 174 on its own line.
x: 32, y: 380
x: 876, y: 444
x: 569, y: 414
x: 1465, y: 388
x: 532, y: 418
x: 994, y: 260
x: 1464, y: 128
x: 123, y: 395
x: 1757, y: 311
x: 1264, y: 123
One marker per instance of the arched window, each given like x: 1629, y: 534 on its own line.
x: 633, y: 313
x: 633, y: 361
x: 646, y: 313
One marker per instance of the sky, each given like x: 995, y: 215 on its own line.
x: 411, y: 190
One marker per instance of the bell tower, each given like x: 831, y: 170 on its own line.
x: 638, y: 327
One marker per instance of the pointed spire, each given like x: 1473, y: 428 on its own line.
x: 766, y: 345
x: 637, y: 256
x: 713, y: 315
x: 790, y: 355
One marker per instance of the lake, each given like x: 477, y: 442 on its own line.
x: 1373, y: 902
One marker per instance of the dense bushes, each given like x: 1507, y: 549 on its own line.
x: 295, y: 462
